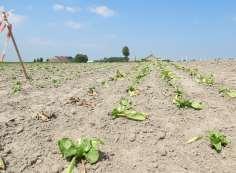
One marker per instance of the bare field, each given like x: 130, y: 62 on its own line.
x: 28, y: 138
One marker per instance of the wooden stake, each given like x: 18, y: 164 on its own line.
x: 15, y: 45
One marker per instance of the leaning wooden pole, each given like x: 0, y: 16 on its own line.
x: 15, y: 45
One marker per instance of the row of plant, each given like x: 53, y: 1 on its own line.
x: 205, y: 79
x: 180, y: 99
x: 55, y: 75
x: 88, y: 148
x: 216, y: 139
x: 208, y: 80
x: 141, y: 74
x: 125, y: 107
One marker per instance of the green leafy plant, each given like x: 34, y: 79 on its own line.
x: 182, y: 102
x: 218, y: 140
x: 142, y: 73
x: 167, y: 75
x: 119, y: 75
x: 17, y: 87
x: 227, y: 91
x: 74, y: 151
x: 206, y: 80
x: 126, y: 110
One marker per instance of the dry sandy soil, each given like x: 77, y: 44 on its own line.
x: 28, y: 141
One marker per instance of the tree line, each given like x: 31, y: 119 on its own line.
x: 83, y: 58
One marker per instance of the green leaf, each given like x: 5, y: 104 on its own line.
x: 67, y: 148
x: 92, y: 156
x: 217, y: 147
x: 197, y: 105
x: 85, y: 144
x: 134, y: 115
x: 231, y: 93
x: 96, y: 142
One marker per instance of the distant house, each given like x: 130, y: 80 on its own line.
x: 63, y: 59
x: 151, y: 58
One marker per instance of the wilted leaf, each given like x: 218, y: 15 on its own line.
x: 2, y: 164
x: 194, y: 139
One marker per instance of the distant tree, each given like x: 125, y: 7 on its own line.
x: 40, y: 59
x: 126, y: 53
x: 34, y: 60
x: 81, y: 58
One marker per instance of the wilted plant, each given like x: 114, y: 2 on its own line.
x: 217, y: 140
x: 227, y: 91
x: 182, y: 102
x: 132, y: 91
x: 125, y: 109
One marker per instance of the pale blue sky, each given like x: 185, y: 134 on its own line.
x: 100, y: 28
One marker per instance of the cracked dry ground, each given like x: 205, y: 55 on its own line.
x: 32, y: 121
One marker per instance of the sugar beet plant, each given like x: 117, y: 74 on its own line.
x: 217, y: 140
x: 179, y: 100
x: 125, y: 109
x: 227, y: 91
x: 74, y: 151
x: 17, y: 87
x: 208, y: 80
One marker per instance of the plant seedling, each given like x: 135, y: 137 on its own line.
x: 92, y: 91
x: 207, y: 80
x: 119, y: 75
x: 17, y: 87
x: 182, y: 102
x: 132, y: 91
x: 125, y: 110
x: 228, y: 92
x: 218, y: 140
x: 75, y: 151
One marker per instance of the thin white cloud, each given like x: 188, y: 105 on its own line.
x: 70, y: 9
x: 103, y: 11
x: 73, y: 25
